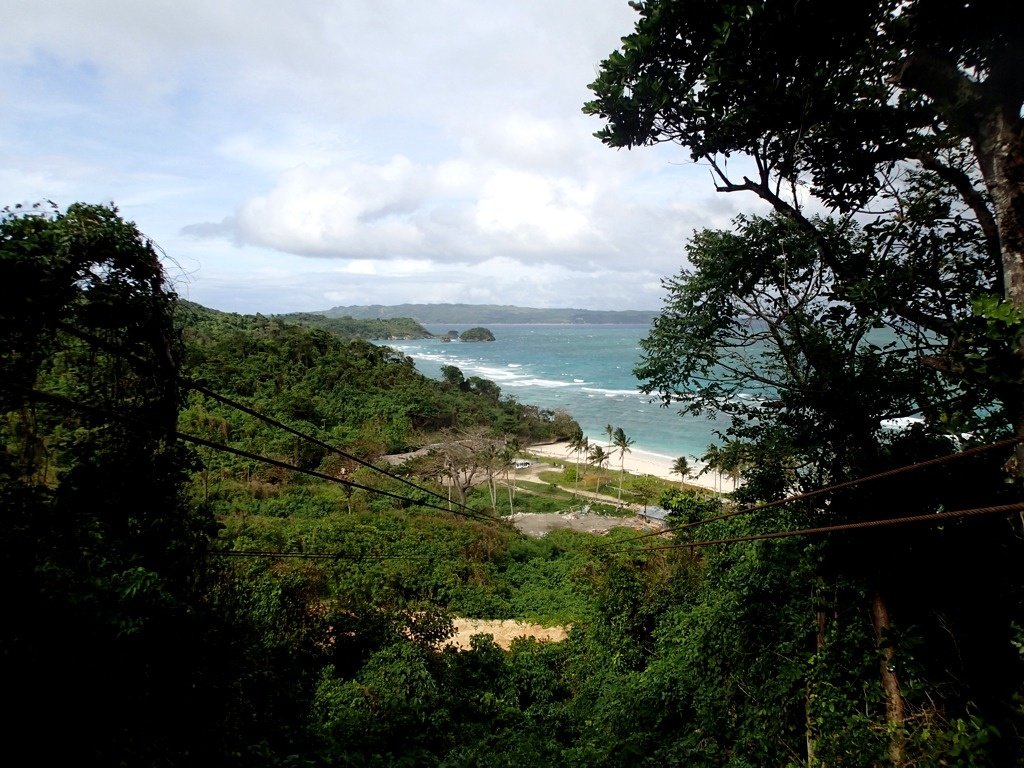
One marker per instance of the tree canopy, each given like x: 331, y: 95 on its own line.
x: 900, y: 124
x: 874, y: 109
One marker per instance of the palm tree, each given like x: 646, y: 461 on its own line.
x: 579, y: 445
x: 600, y: 457
x: 622, y: 443
x: 681, y: 467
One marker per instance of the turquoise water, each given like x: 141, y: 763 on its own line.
x: 586, y: 370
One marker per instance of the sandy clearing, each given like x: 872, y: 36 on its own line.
x: 504, y: 631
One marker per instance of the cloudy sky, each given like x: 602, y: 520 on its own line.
x: 300, y: 155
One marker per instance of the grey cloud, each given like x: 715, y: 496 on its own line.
x: 206, y: 230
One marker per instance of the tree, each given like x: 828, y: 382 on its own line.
x: 452, y: 376
x: 681, y: 467
x: 599, y: 457
x: 843, y: 104
x: 688, y: 506
x: 580, y: 445
x: 622, y: 442
x: 461, y: 458
x: 645, y: 489
x: 509, y: 451
x: 103, y: 552
x: 756, y: 333
x: 906, y: 115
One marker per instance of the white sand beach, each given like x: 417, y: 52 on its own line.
x: 642, y: 463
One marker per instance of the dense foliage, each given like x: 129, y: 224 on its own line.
x: 363, y: 398
x: 100, y: 549
x: 822, y: 339
x: 312, y: 630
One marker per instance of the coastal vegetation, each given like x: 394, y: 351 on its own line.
x: 243, y: 540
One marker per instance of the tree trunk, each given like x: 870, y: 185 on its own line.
x: 492, y: 487
x: 511, y: 493
x: 989, y: 111
x: 999, y: 145
x: 819, y: 646
x: 894, y: 711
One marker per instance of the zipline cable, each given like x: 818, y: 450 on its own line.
x: 746, y: 510
x: 830, y: 488
x: 309, y: 438
x: 96, y: 411
x: 194, y: 385
x: 881, y: 523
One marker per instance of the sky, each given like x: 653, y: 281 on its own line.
x: 293, y: 156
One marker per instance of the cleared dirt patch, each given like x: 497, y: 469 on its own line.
x: 539, y: 524
x: 504, y: 631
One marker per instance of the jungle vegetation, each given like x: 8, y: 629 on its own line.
x: 195, y: 583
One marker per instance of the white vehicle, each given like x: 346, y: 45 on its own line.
x: 520, y: 464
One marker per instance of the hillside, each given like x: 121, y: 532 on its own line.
x: 490, y: 313
x: 344, y: 327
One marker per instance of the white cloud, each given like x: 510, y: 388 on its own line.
x: 353, y: 211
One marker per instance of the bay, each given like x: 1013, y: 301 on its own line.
x: 587, y: 370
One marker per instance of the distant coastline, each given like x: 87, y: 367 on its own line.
x: 463, y: 314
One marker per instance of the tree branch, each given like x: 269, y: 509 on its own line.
x: 825, y: 250
x: 976, y: 201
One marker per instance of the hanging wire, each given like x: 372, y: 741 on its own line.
x: 934, y: 517
x: 138, y: 423
x: 827, y: 489
x: 476, y: 516
x: 194, y: 385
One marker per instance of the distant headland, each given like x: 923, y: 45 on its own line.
x: 490, y: 313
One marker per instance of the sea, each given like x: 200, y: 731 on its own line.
x: 586, y: 370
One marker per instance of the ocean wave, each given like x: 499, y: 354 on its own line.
x: 612, y: 392
x: 497, y: 374
x: 535, y: 382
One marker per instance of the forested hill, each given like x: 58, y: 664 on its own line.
x: 341, y: 326
x: 490, y: 313
x: 368, y: 397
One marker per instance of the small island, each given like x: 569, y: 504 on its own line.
x: 476, y: 334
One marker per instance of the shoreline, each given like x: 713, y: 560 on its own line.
x: 641, y: 462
